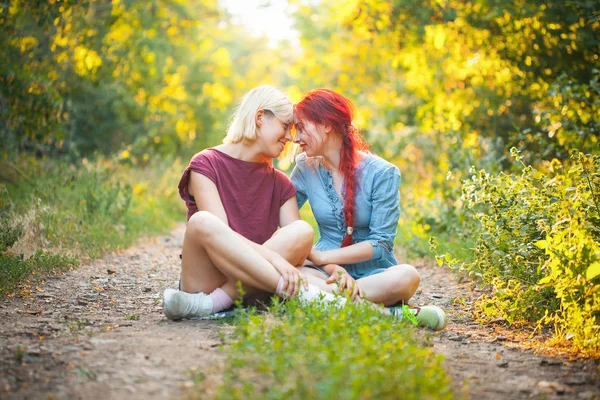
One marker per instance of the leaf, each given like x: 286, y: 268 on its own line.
x: 593, y: 270
x: 542, y: 244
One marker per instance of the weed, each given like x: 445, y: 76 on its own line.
x: 86, y: 373
x: 320, y: 352
x: 77, y: 325
x: 96, y: 207
x: 19, y: 352
x: 14, y: 269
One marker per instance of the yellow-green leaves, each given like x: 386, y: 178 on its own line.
x: 593, y: 270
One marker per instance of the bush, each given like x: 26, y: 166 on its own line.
x: 572, y: 265
x: 81, y: 209
x: 538, y: 245
x: 316, y: 352
x: 433, y: 209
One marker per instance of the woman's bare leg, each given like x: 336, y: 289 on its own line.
x: 397, y: 283
x: 293, y: 242
x: 317, y: 278
x: 215, y: 256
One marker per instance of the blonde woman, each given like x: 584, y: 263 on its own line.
x: 236, y: 201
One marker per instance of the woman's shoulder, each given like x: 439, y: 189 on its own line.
x: 204, y: 156
x: 377, y: 166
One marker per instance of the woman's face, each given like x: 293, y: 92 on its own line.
x: 312, y: 138
x: 273, y: 134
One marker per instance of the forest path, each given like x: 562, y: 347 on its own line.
x: 99, y: 332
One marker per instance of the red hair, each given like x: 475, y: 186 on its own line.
x: 323, y: 106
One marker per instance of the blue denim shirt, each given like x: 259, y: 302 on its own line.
x: 377, y: 207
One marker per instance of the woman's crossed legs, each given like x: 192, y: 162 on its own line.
x: 396, y: 284
x: 215, y: 258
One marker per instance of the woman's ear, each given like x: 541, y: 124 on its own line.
x: 260, y: 114
x: 327, y: 128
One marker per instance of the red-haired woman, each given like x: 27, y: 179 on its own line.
x: 354, y: 196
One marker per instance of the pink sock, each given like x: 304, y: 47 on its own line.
x: 221, y: 300
x: 279, y: 291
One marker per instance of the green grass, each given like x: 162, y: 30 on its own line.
x: 316, y: 352
x: 14, y: 269
x: 53, y: 213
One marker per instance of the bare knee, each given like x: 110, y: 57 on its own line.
x: 408, y: 280
x: 203, y: 225
x: 303, y: 235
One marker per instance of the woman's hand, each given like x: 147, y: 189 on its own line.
x: 317, y: 257
x: 292, y: 277
x: 346, y: 282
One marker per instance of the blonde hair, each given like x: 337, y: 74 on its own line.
x: 271, y: 100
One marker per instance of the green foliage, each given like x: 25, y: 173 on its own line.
x: 572, y: 266
x: 569, y: 115
x: 9, y: 235
x: 437, y: 211
x: 19, y: 353
x: 538, y: 245
x: 80, y: 77
x: 81, y: 210
x: 485, y: 67
x: 316, y: 352
x: 14, y: 269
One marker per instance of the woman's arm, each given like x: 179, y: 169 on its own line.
x: 288, y: 212
x: 382, y: 226
x: 352, y: 254
x: 206, y: 195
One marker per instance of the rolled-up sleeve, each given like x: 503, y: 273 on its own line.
x: 297, y: 178
x: 385, y: 211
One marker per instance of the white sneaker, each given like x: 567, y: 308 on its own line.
x: 178, y: 304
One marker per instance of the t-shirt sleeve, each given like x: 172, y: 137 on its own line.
x: 202, y: 164
x: 287, y: 189
x: 297, y: 178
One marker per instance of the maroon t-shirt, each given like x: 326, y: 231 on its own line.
x: 251, y: 192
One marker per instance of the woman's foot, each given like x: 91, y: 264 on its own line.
x: 431, y: 317
x: 178, y: 304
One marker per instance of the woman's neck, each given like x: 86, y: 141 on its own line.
x: 332, y: 155
x: 332, y: 158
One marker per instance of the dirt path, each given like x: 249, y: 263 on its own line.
x: 99, y: 332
